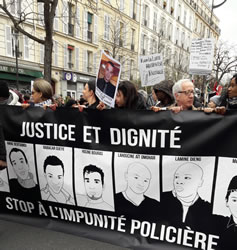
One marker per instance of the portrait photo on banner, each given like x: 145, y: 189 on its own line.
x: 54, y: 165
x: 187, y: 190
x: 94, y: 179
x: 199, y: 167
x: 225, y: 199
x: 107, y: 79
x: 137, y: 183
x: 21, y: 170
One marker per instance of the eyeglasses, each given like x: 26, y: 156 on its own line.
x: 187, y: 92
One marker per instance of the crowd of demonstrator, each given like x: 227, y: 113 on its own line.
x: 166, y: 95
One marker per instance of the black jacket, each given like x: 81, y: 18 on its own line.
x: 106, y: 87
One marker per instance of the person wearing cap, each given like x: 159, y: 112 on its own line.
x: 162, y: 94
x: 214, y: 101
x: 7, y: 96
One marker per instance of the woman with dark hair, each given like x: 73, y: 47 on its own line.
x: 229, y: 97
x: 128, y: 97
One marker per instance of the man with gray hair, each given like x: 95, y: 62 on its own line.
x: 183, y: 92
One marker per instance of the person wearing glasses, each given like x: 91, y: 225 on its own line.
x: 183, y: 92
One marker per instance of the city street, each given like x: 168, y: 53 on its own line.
x: 18, y: 236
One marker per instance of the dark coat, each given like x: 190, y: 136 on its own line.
x: 106, y: 87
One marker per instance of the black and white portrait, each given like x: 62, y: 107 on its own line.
x: 137, y: 183
x: 187, y: 189
x: 54, y: 166
x: 21, y: 170
x: 93, y: 179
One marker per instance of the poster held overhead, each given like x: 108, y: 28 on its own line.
x: 107, y: 79
x: 201, y: 56
x: 151, y: 69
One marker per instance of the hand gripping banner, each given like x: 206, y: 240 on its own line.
x: 137, y: 179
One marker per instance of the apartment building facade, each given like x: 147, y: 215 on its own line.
x: 168, y: 27
x: 124, y: 29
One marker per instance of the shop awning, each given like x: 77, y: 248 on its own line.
x: 22, y: 78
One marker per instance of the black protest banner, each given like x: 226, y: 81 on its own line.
x: 137, y: 179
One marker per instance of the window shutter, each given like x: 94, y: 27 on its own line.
x: 148, y: 17
x: 65, y: 17
x: 95, y: 29
x: 117, y: 35
x: 41, y: 14
x: 26, y: 48
x: 77, y: 22
x: 65, y: 56
x: 85, y: 60
x: 143, y: 13
x: 8, y: 39
x: 42, y: 52
x: 85, y: 25
x: 131, y: 8
x: 55, y: 21
x: 138, y: 11
x: 95, y: 63
x: 77, y: 59
x: 55, y: 53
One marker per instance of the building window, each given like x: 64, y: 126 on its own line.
x: 70, y: 56
x: 70, y: 25
x: 89, y: 32
x: 145, y: 15
x: 179, y: 13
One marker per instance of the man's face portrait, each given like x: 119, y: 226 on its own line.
x: 186, y: 97
x: 19, y: 165
x: 187, y: 180
x: 93, y: 185
x: 138, y: 178
x: 55, y: 178
x: 108, y: 72
x: 232, y: 203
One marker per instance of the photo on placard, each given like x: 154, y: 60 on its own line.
x: 54, y: 164
x: 107, y: 79
x: 137, y: 184
x: 187, y: 189
x: 94, y: 179
x: 21, y: 170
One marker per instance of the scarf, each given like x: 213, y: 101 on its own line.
x: 232, y: 103
x: 41, y: 104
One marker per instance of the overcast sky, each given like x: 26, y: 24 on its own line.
x: 227, y: 14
